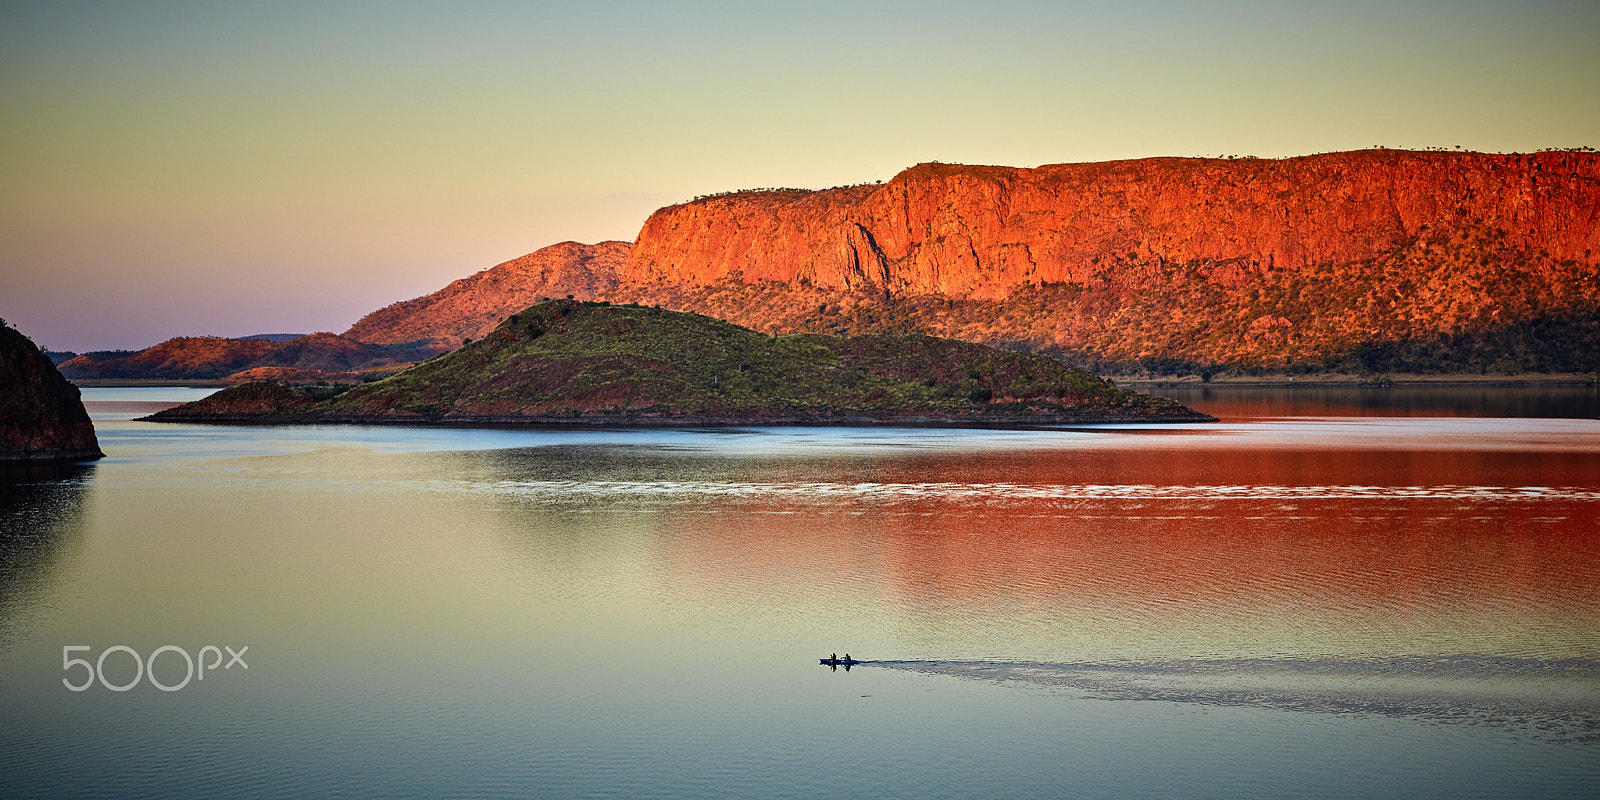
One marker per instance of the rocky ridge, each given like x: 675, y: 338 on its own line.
x: 472, y: 306
x: 1445, y: 261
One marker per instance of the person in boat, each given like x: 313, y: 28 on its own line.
x: 834, y: 657
x: 847, y: 656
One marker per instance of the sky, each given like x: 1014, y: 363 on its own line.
x: 174, y: 168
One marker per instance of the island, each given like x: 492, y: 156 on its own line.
x: 570, y: 362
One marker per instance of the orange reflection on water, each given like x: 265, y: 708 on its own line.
x: 1244, y: 569
x: 1238, y: 402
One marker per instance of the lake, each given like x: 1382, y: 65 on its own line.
x: 1328, y: 594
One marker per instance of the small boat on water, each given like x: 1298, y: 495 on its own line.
x: 840, y: 662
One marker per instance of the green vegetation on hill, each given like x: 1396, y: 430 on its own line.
x: 569, y: 361
x: 1468, y: 304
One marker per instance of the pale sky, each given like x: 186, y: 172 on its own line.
x: 190, y: 168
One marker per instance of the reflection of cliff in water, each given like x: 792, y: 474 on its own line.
x: 1233, y: 402
x: 41, y: 510
x: 1097, y: 554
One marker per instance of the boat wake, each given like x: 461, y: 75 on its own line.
x: 1549, y: 700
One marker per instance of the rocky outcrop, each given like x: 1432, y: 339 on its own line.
x: 41, y: 415
x: 1455, y: 261
x: 473, y: 306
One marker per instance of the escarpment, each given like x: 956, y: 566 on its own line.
x: 1430, y: 261
x: 985, y: 232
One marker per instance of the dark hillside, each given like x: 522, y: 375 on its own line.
x: 41, y: 415
x: 570, y: 361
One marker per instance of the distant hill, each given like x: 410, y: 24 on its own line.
x: 42, y: 417
x: 1374, y: 260
x: 274, y: 337
x: 304, y: 358
x: 570, y: 362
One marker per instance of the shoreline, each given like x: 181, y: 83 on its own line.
x: 145, y: 383
x: 1125, y: 381
x: 1578, y: 380
x: 606, y: 421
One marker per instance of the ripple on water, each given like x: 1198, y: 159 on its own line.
x: 829, y: 492
x: 1549, y: 700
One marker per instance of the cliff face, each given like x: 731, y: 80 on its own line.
x: 473, y: 306
x: 41, y: 415
x: 1378, y: 259
x: 1301, y: 262
x: 984, y: 232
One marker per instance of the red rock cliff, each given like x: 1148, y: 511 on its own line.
x: 1248, y: 261
x: 1297, y: 262
x: 983, y: 232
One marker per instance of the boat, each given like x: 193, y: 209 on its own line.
x: 840, y: 662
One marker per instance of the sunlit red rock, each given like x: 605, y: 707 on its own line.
x: 1223, y: 261
x: 472, y: 306
x: 984, y: 232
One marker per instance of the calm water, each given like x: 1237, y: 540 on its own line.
x: 1313, y: 598
x: 1403, y: 400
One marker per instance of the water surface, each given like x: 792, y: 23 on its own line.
x: 1341, y: 604
x: 1399, y: 400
